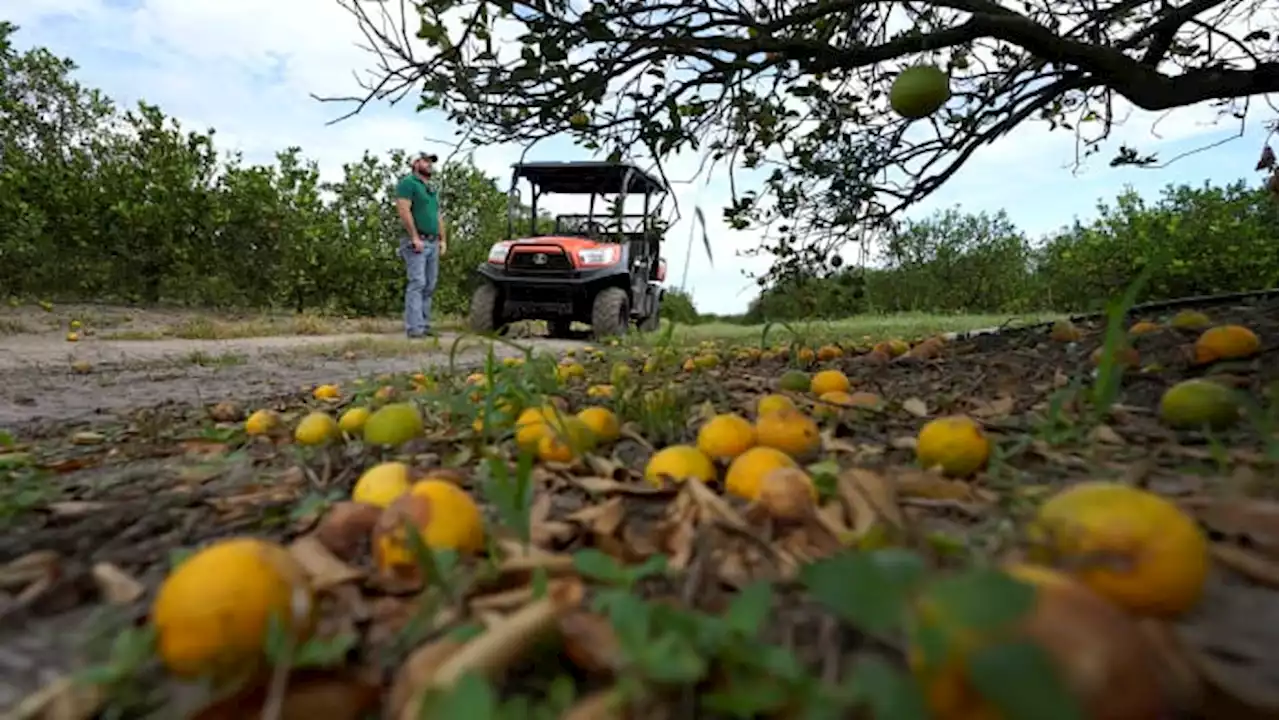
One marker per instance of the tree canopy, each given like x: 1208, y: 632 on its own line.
x: 797, y: 89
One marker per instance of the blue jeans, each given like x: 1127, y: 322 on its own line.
x: 422, y: 269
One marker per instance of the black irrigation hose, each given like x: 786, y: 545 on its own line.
x: 1150, y: 307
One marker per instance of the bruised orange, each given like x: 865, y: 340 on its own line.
x: 1225, y: 342
x: 790, y: 431
x: 1130, y: 545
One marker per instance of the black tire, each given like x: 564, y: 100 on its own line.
x: 610, y: 313
x: 654, y: 320
x: 485, y: 310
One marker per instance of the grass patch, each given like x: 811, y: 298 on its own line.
x: 863, y: 329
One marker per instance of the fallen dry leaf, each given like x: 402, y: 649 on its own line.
x: 590, y: 642
x: 998, y: 408
x: 323, y: 568
x: 308, y: 694
x: 62, y: 699
x: 916, y: 407
x: 418, y: 671
x: 345, y: 528
x: 115, y: 585
x: 870, y: 501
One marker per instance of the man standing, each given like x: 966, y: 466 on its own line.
x: 423, y: 245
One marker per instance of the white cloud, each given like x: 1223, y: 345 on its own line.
x: 248, y: 69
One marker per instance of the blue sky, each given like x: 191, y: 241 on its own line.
x: 247, y: 69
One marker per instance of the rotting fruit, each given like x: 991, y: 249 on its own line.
x: 1199, y: 403
x: 790, y: 431
x: 381, y: 484
x: 787, y: 493
x: 326, y: 392
x: 565, y: 440
x: 1102, y: 657
x: 262, y: 422
x: 747, y: 471
x: 1131, y: 546
x: 726, y: 436
x: 1190, y: 320
x: 919, y: 91
x: 679, y: 463
x: 955, y: 444
x: 393, y: 425
x: 1064, y: 331
x: 603, y: 423
x: 316, y: 428
x: 794, y: 381
x: 829, y: 381
x: 1144, y: 327
x: 1225, y: 342
x: 212, y: 613
x: 444, y: 515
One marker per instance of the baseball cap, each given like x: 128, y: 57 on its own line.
x: 425, y: 156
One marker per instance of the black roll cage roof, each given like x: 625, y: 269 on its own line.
x: 592, y: 177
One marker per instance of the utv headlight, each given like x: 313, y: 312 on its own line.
x: 598, y: 256
x: 498, y: 253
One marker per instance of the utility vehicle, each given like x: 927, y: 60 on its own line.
x: 600, y: 268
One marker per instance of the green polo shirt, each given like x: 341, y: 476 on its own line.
x: 424, y: 204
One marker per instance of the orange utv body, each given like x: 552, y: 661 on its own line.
x: 602, y: 270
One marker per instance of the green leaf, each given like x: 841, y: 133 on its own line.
x: 982, y: 600
x: 750, y: 609
x: 470, y: 698
x: 887, y: 692
x: 869, y: 590
x: 599, y: 566
x: 1020, y: 680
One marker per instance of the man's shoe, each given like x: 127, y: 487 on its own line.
x: 415, y: 335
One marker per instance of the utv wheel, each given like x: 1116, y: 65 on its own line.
x: 610, y: 313
x: 484, y: 309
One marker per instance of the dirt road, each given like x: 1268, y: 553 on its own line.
x: 45, y: 378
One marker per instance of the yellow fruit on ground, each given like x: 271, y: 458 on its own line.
x: 1131, y: 546
x: 603, y: 423
x: 955, y: 443
x: 898, y: 347
x: 619, y: 374
x: 1198, y: 403
x: 726, y: 436
x: 829, y: 381
x: 865, y: 400
x: 831, y: 403
x: 706, y: 361
x: 773, y: 403
x: 316, y: 428
x: 805, y: 356
x: 600, y: 391
x: 75, y: 325
x: 262, y: 422
x: 381, y: 484
x: 829, y: 352
x: 1064, y: 331
x: 1122, y: 356
x: 790, y: 431
x: 213, y: 612
x: 385, y: 393
x: 529, y: 434
x: 353, y: 420
x: 1190, y: 320
x: 393, y: 425
x: 569, y: 371
x: 1226, y: 342
x: 678, y: 463
x: 512, y: 362
x: 73, y: 337
x: 1102, y: 657
x: 446, y: 517
x: 746, y: 473
x: 565, y: 439
x: 326, y: 392
x: 794, y: 381
x: 919, y: 91
x: 1144, y: 327
x: 787, y: 493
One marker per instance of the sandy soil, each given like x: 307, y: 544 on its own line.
x: 43, y: 377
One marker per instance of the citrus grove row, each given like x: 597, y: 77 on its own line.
x: 773, y: 459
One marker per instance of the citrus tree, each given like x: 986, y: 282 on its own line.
x: 107, y: 203
x: 799, y: 90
